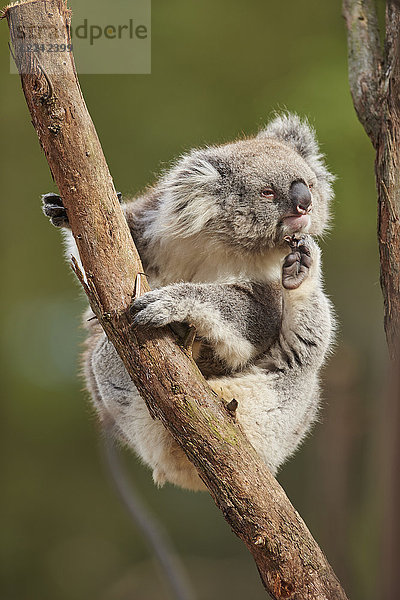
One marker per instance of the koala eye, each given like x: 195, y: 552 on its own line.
x: 267, y: 193
x: 311, y: 185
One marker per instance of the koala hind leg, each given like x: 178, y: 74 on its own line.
x: 149, y: 438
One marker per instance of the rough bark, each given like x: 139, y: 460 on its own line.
x: 290, y: 562
x: 388, y: 180
x: 375, y: 87
x: 364, y: 55
x: 374, y: 75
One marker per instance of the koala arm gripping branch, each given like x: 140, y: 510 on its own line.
x: 239, y: 321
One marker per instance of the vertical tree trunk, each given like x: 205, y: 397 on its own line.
x: 375, y: 87
x: 374, y: 75
x: 388, y: 178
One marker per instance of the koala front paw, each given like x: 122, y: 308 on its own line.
x: 158, y: 308
x: 296, y: 264
x: 54, y: 208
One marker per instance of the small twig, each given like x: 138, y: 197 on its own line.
x: 232, y: 406
x: 148, y: 525
x: 189, y: 338
x: 46, y: 97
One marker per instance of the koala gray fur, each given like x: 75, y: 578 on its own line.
x: 212, y: 235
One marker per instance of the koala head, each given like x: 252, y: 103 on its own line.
x: 251, y: 193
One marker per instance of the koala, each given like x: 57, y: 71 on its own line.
x: 227, y: 240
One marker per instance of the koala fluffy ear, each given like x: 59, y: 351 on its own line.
x: 289, y: 128
x: 299, y: 134
x: 188, y: 196
x: 194, y: 169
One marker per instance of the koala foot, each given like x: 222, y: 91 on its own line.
x: 297, y: 264
x: 54, y: 208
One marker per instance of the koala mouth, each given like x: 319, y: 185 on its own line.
x: 296, y: 222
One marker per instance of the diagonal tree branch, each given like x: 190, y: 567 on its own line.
x: 289, y: 561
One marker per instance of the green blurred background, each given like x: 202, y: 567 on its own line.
x: 218, y: 71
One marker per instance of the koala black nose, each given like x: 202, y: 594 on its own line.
x: 300, y: 196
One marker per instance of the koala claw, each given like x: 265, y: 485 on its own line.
x: 54, y: 208
x: 297, y: 264
x: 155, y: 309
